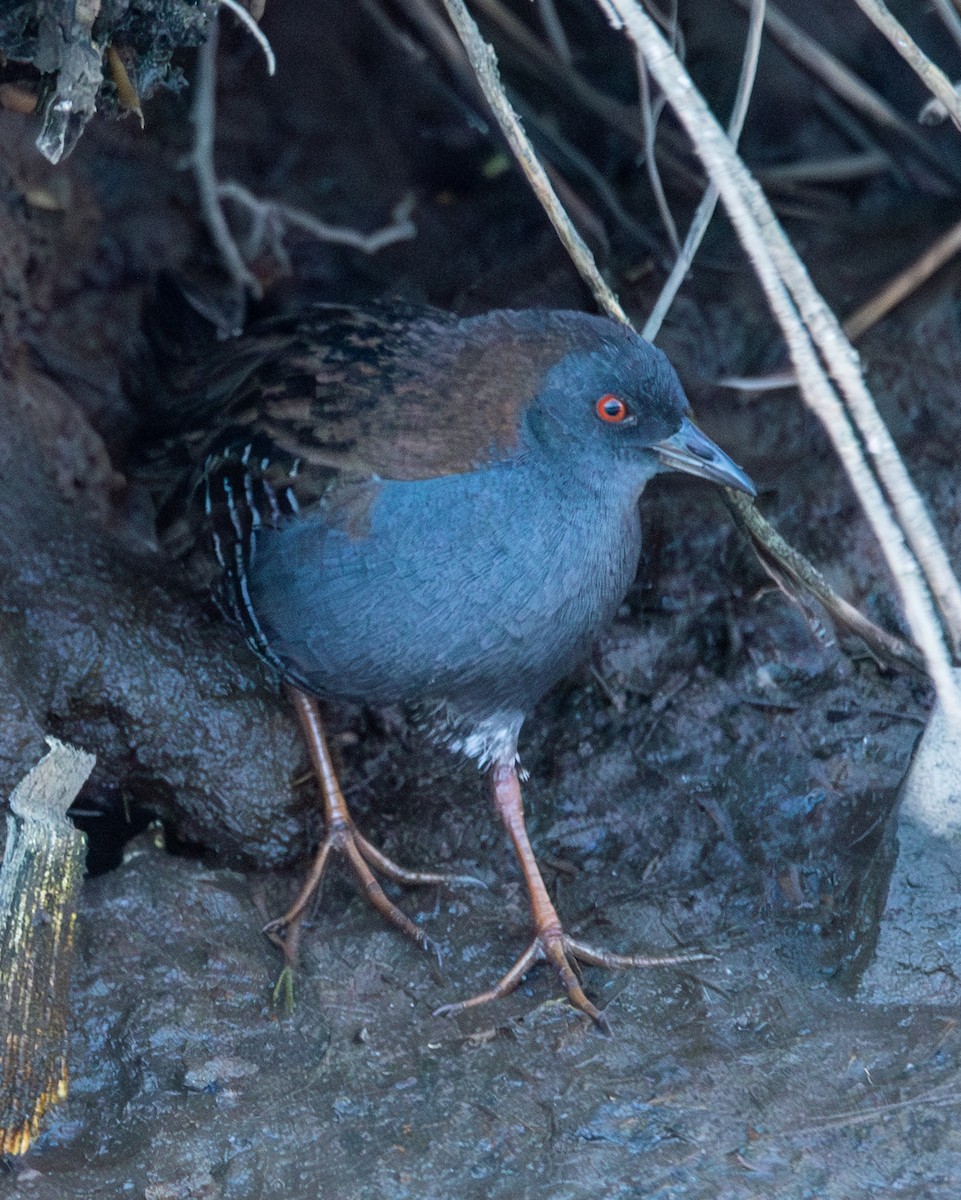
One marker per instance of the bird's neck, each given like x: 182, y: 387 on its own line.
x: 614, y: 486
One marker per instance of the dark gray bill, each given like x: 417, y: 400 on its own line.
x: 690, y: 451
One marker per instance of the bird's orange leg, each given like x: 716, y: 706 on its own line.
x: 342, y: 837
x: 550, y: 943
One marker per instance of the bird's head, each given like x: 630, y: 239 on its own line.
x: 614, y: 399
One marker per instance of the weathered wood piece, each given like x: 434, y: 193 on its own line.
x: 41, y: 872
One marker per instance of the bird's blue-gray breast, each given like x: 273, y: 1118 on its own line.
x: 425, y: 591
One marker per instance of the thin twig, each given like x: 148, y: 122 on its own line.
x: 949, y: 16
x: 838, y: 168
x: 484, y: 62
x: 651, y: 109
x: 705, y: 210
x: 803, y: 316
x: 425, y: 16
x: 254, y: 30
x: 933, y: 78
x: 786, y: 566
x: 554, y: 31
x: 904, y: 283
x: 201, y: 161
x: 649, y: 117
x: 824, y: 66
x: 851, y: 126
x: 268, y: 212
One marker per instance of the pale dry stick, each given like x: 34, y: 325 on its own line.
x: 797, y: 312
x: 649, y: 120
x: 931, y: 75
x: 572, y: 86
x: 254, y: 30
x: 669, y: 24
x: 201, y: 161
x: 843, y: 82
x: 555, y: 31
x: 267, y: 212
x: 705, y: 210
x: 904, y: 283
x: 949, y: 18
x: 484, y: 62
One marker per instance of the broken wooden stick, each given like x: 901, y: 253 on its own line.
x: 39, y: 879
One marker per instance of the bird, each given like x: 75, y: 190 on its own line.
x: 399, y: 505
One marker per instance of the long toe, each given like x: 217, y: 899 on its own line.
x: 344, y: 841
x: 398, y: 874
x: 552, y: 949
x: 563, y: 953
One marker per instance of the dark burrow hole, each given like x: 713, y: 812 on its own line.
x: 109, y: 829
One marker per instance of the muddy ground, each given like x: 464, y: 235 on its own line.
x: 722, y: 777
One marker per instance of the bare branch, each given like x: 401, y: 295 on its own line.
x: 799, y: 309
x: 649, y: 124
x: 254, y: 30
x: 201, y: 162
x: 949, y: 17
x: 933, y: 78
x: 275, y: 216
x: 484, y: 62
x: 705, y: 210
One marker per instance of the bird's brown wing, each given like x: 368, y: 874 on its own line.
x: 374, y: 391
x: 331, y: 396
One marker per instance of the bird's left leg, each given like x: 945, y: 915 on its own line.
x: 550, y: 943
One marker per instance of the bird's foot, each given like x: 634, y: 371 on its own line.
x: 551, y: 944
x: 344, y: 839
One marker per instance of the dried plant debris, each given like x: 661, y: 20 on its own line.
x: 39, y: 881
x: 87, y: 56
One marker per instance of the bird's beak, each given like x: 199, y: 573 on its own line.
x: 689, y: 450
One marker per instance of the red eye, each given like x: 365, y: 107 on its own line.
x: 611, y: 408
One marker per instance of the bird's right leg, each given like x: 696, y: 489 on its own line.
x: 342, y: 837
